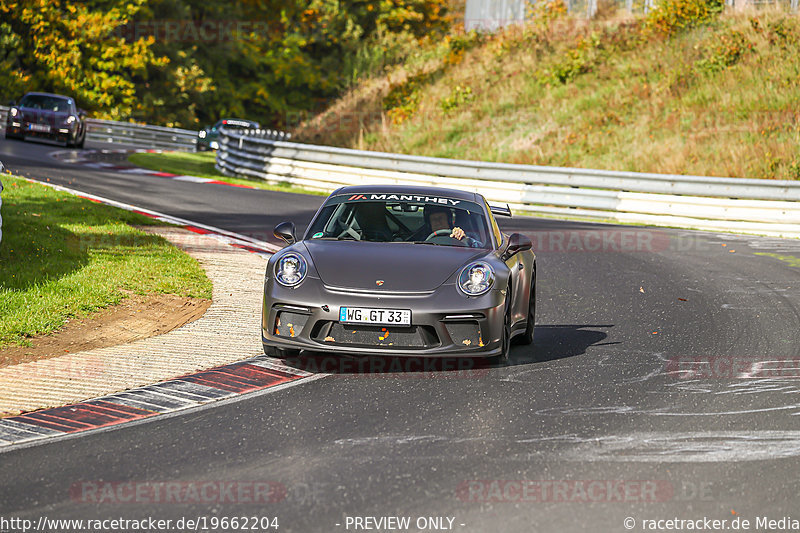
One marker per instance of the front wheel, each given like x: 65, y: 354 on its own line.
x: 280, y: 353
x: 505, y: 342
x: 527, y: 337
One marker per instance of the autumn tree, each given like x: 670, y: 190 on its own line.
x: 74, y: 48
x: 188, y: 62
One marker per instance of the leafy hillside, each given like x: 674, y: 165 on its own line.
x: 686, y: 90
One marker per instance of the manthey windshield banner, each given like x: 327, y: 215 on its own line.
x: 402, y: 198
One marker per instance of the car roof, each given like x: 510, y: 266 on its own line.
x: 48, y: 94
x: 410, y: 189
x: 240, y: 120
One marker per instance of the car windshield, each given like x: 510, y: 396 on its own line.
x: 402, y: 218
x: 48, y: 103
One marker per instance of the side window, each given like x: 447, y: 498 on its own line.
x: 495, y: 229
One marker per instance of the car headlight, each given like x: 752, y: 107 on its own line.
x: 70, y: 119
x: 14, y: 111
x: 202, y: 134
x: 476, y: 279
x: 290, y: 270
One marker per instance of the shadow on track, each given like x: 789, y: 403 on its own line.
x: 552, y: 342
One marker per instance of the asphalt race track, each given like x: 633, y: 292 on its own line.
x: 663, y: 384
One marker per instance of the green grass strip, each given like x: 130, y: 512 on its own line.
x: 201, y: 164
x: 62, y: 256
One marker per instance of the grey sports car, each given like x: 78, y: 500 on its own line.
x: 400, y: 271
x: 47, y: 115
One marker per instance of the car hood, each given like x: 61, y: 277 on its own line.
x: 401, y: 266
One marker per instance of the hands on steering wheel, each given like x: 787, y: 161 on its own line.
x: 455, y: 233
x: 441, y: 233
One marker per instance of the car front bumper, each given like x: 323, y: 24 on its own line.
x: 444, y: 322
x: 62, y: 133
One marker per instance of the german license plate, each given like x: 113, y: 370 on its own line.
x: 382, y: 317
x: 39, y: 127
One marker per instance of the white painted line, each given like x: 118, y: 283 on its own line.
x: 135, y: 170
x: 136, y: 398
x: 28, y: 428
x: 163, y: 401
x: 190, y: 387
x: 282, y: 368
x: 186, y: 389
x: 193, y: 179
x: 32, y: 437
x: 20, y: 431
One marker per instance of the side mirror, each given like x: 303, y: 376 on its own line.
x: 12, y: 103
x: 81, y: 112
x: 285, y: 231
x: 517, y: 243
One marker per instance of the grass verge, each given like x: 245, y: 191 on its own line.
x: 62, y: 257
x: 201, y: 164
x: 685, y: 90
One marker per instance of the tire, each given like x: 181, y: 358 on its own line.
x: 15, y: 137
x: 280, y: 353
x: 81, y: 142
x: 527, y: 337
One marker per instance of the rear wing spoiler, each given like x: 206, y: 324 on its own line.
x: 500, y: 210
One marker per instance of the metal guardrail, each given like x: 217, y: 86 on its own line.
x: 144, y: 136
x: 767, y: 207
x: 269, y: 135
x: 140, y: 135
x: 490, y: 15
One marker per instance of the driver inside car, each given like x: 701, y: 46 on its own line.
x: 371, y: 218
x: 439, y: 218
